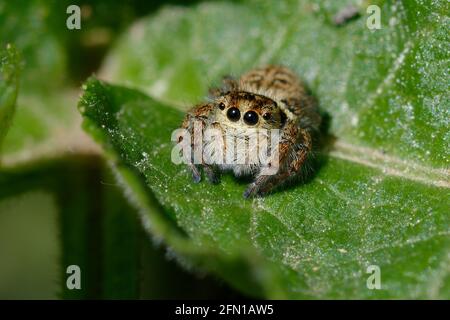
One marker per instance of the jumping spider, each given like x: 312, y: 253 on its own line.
x: 271, y: 97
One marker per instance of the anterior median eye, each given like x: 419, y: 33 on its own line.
x: 233, y: 114
x: 251, y: 118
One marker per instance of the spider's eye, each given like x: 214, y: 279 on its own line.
x: 233, y: 114
x: 267, y: 116
x: 251, y: 118
x: 221, y: 106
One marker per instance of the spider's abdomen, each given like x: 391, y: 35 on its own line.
x: 282, y: 85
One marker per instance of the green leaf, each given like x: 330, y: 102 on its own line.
x: 380, y: 194
x: 311, y: 241
x: 376, y: 200
x: 9, y: 86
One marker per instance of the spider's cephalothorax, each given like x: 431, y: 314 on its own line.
x: 246, y: 112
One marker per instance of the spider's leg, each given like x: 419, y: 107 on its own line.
x: 211, y: 173
x: 196, y: 175
x: 292, y: 155
x: 199, y: 114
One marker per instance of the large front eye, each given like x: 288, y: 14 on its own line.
x: 233, y: 114
x: 251, y: 118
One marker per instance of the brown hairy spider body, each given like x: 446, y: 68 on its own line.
x: 263, y: 99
